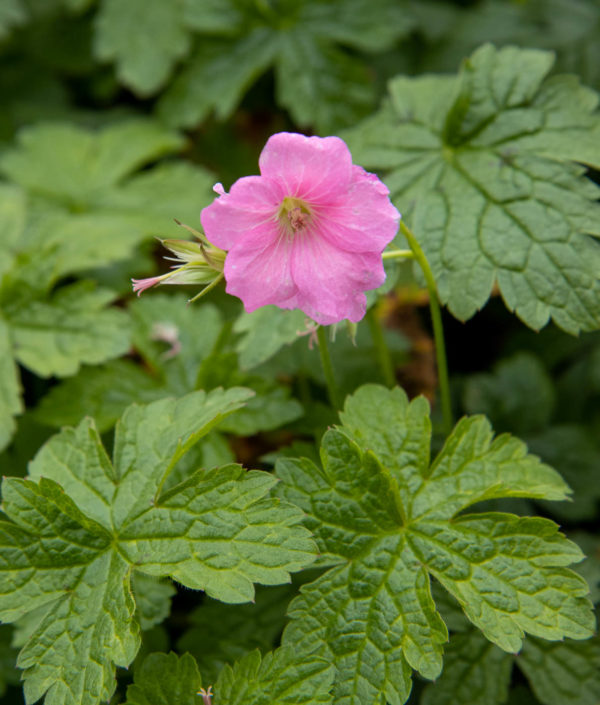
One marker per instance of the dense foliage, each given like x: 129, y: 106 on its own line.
x: 192, y: 508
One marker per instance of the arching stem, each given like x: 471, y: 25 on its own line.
x: 334, y: 395
x: 438, y: 330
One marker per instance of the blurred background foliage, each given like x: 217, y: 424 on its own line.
x: 118, y: 116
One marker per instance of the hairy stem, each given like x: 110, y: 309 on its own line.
x: 438, y: 330
x: 334, y: 395
x: 384, y: 357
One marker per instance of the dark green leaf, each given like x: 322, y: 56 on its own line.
x: 484, y: 167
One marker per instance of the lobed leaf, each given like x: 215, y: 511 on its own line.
x: 286, y: 675
x: 484, y: 167
x: 301, y: 41
x: 235, y: 629
x: 56, y: 336
x: 562, y: 673
x: 178, y: 360
x: 387, y: 520
x: 144, y: 37
x: 79, y: 526
x: 165, y: 679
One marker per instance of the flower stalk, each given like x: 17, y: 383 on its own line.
x: 332, y: 389
x: 438, y: 329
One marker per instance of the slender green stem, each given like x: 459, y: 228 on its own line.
x: 383, y: 353
x: 334, y: 396
x: 206, y: 289
x: 438, y: 329
x: 398, y: 254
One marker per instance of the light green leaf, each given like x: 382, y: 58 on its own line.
x: 12, y: 219
x: 184, y: 190
x: 71, y: 541
x: 563, y: 673
x: 152, y: 599
x: 73, y: 327
x: 387, y: 520
x: 218, y: 536
x: 87, y: 210
x: 282, y: 676
x: 148, y: 442
x: 165, y: 679
x: 103, y: 392
x: 10, y: 388
x: 178, y: 360
x: 222, y: 633
x: 174, y: 338
x: 12, y: 14
x: 268, y: 410
x: 144, y: 38
x: 88, y: 580
x: 475, y: 673
x: 483, y: 166
x: 73, y: 164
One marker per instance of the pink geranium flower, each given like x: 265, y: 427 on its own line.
x: 307, y: 233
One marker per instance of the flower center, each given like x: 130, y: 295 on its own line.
x: 294, y: 214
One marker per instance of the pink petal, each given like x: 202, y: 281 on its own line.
x: 140, y: 285
x: 364, y: 219
x: 331, y: 281
x: 316, y: 169
x: 251, y: 202
x: 257, y: 270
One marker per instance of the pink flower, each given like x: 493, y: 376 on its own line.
x: 307, y: 233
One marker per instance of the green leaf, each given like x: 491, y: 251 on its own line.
x: 73, y: 164
x: 144, y: 38
x: 165, y: 331
x: 12, y: 14
x: 282, y: 676
x: 165, y: 679
x: 573, y: 451
x: 518, y: 397
x: 103, y: 392
x: 475, y: 673
x: 265, y: 332
x: 88, y: 209
x: 10, y: 388
x: 8, y: 659
x: 152, y: 599
x: 387, y: 520
x: 478, y: 673
x: 563, y: 673
x: 590, y: 567
x: 12, y: 218
x: 221, y: 633
x: 216, y: 78
x: 80, y: 524
x: 483, y: 165
x: 178, y: 360
x: 73, y: 327
x: 317, y: 81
